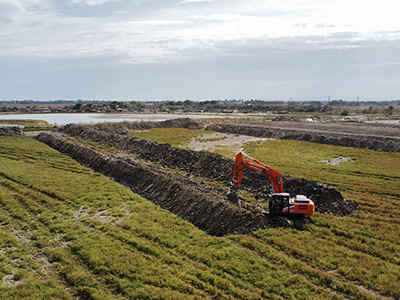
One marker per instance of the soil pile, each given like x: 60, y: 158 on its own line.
x: 10, y: 131
x: 215, y: 167
x: 204, y: 206
x: 373, y: 142
x: 123, y: 128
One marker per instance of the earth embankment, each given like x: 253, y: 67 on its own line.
x: 378, y: 139
x: 204, y: 206
x: 123, y: 128
x: 10, y: 131
x: 214, y: 167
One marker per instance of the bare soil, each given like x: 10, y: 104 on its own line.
x: 336, y: 160
x: 123, y: 128
x: 214, y: 167
x: 10, y: 131
x: 181, y: 187
x: 204, y: 206
x: 377, y: 137
x: 218, y: 140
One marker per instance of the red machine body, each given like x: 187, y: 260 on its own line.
x: 280, y: 203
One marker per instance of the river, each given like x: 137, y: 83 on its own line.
x: 90, y: 118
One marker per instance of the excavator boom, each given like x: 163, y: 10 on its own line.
x: 274, y: 177
x: 280, y: 203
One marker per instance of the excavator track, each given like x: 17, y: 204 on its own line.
x: 298, y: 222
x: 281, y: 221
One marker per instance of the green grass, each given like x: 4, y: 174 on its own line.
x: 67, y: 232
x: 30, y: 125
x: 177, y: 137
x: 26, y: 123
x: 362, y: 248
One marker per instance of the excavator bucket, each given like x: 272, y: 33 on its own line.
x: 232, y: 195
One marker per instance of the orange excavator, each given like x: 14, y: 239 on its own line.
x: 281, y: 206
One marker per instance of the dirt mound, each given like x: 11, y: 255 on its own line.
x: 215, y: 167
x: 181, y: 123
x: 285, y: 118
x: 123, y: 128
x: 10, y: 131
x: 202, y: 205
x: 329, y: 200
x: 387, y: 144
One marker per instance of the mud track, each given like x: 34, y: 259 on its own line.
x: 214, y: 167
x: 204, y: 206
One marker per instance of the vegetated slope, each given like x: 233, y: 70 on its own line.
x: 373, y: 142
x: 67, y: 232
x: 355, y: 246
x: 213, y: 166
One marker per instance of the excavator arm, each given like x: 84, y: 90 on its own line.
x: 280, y: 203
x: 274, y: 177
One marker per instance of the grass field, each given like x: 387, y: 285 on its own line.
x: 28, y: 125
x: 178, y: 137
x: 67, y: 232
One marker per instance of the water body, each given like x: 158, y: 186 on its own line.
x: 91, y: 118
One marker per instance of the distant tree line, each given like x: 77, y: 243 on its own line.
x: 226, y: 106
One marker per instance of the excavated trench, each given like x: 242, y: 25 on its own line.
x: 214, y: 167
x: 188, y: 196
x: 203, y: 205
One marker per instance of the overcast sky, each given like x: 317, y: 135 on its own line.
x: 199, y: 49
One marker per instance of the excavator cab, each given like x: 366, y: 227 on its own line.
x: 278, y: 202
x: 282, y: 204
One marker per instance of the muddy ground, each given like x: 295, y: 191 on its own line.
x: 374, y: 137
x: 218, y: 140
x: 203, y: 205
x: 214, y: 167
x: 125, y: 127
x: 10, y: 131
x: 182, y: 184
x: 378, y: 137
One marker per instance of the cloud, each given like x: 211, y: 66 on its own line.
x: 168, y: 34
x: 9, y: 10
x: 196, y: 1
x: 92, y: 2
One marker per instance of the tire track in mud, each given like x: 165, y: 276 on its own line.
x: 205, y: 207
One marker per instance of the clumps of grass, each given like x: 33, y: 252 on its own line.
x: 177, y: 137
x: 147, y: 252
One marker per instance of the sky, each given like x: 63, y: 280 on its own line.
x: 199, y: 49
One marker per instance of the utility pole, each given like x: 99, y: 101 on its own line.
x: 358, y: 98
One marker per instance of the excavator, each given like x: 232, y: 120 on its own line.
x: 284, y: 210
